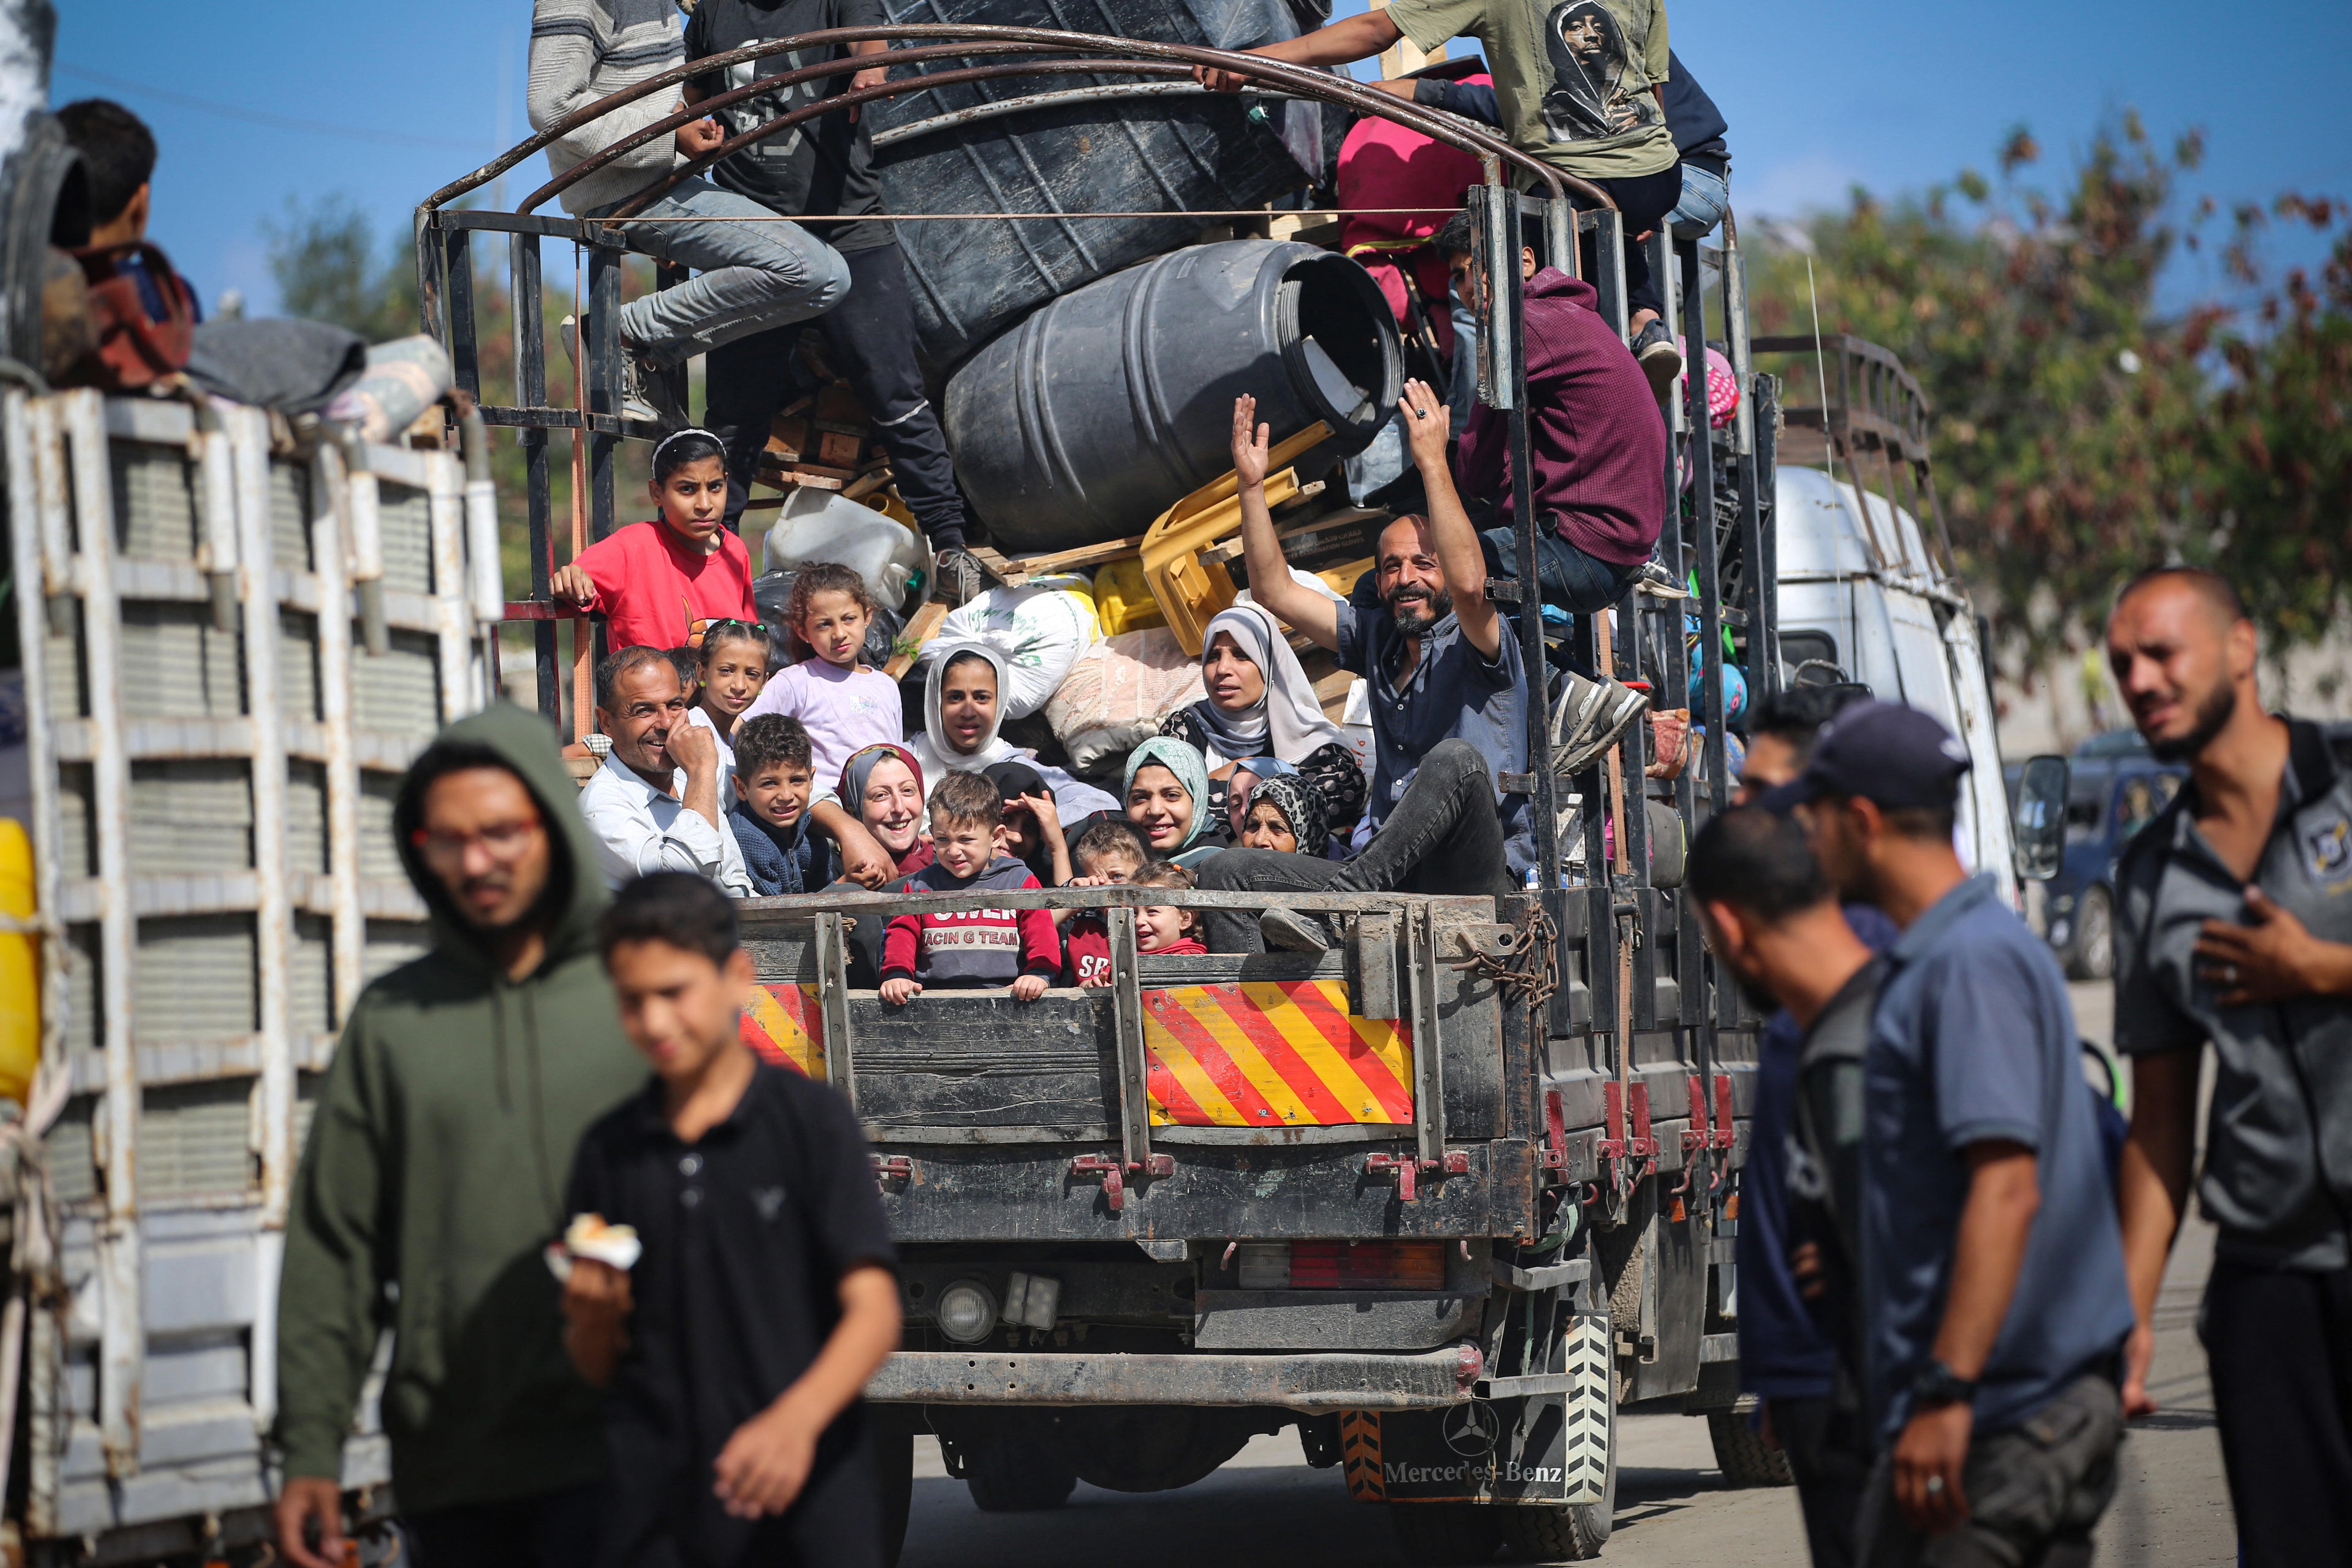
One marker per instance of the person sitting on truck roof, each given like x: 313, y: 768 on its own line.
x: 1583, y: 84
x: 1595, y: 442
x: 660, y: 584
x: 432, y: 1177
x: 118, y: 158
x: 656, y: 804
x: 1261, y: 703
x: 749, y: 277
x: 1448, y: 697
x: 1696, y: 125
x: 766, y: 1294
x: 824, y: 169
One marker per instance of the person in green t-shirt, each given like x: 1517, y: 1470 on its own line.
x: 1581, y: 85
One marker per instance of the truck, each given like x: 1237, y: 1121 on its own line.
x: 1446, y: 1199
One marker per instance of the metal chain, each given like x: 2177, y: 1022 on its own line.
x: 1533, y: 969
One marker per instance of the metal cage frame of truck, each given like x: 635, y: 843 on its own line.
x: 1626, y: 1064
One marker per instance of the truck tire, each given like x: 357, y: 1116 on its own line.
x: 1745, y: 1457
x: 1442, y: 1534
x: 1558, y: 1532
x: 1013, y: 1475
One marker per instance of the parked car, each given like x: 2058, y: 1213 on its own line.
x: 2116, y: 790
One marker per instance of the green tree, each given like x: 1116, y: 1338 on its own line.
x: 2080, y: 433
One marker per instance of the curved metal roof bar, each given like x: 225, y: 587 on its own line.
x: 1301, y: 80
x: 717, y: 101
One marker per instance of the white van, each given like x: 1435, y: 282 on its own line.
x: 1861, y: 597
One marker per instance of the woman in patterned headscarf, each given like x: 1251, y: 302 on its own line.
x: 1284, y: 814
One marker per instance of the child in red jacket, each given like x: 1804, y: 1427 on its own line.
x: 1110, y: 851
x: 969, y: 947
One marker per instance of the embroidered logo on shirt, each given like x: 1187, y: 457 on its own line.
x: 2327, y: 853
x: 767, y: 1199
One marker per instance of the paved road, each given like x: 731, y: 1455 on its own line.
x: 1267, y: 1509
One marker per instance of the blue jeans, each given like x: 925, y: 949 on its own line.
x: 1707, y: 196
x: 749, y: 277
x: 1569, y: 578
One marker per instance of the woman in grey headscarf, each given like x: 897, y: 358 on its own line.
x: 1260, y: 703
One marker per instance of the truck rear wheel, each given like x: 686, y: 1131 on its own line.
x: 1745, y: 1457
x: 1015, y: 1475
x: 1558, y: 1532
x: 1443, y: 1534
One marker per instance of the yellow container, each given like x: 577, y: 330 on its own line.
x: 20, y: 967
x: 1191, y: 591
x: 1123, y: 602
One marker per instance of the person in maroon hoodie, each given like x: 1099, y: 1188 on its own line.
x: 1595, y: 434
x: 975, y: 946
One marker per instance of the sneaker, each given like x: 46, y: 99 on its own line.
x: 1288, y: 931
x: 957, y: 576
x: 1661, y: 361
x: 645, y: 392
x: 1590, y: 716
x: 1654, y: 580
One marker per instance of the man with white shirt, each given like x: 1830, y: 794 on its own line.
x: 656, y: 804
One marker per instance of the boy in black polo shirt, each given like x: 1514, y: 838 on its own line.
x: 765, y: 1298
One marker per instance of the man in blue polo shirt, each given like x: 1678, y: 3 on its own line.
x: 1993, y: 1287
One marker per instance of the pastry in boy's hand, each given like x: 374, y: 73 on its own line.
x: 589, y: 1236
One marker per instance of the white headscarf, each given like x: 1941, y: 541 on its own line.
x: 1286, y: 722
x: 930, y: 747
x: 1072, y: 798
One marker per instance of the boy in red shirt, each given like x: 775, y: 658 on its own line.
x: 977, y: 946
x: 660, y: 584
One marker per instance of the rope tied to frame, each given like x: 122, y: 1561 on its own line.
x: 1532, y: 971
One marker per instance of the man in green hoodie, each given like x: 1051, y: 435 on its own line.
x: 433, y: 1177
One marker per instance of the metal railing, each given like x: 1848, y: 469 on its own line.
x: 1610, y: 929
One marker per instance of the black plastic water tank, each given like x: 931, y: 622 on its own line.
x: 1109, y: 405
x: 1103, y: 142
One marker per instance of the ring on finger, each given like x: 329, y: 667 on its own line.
x: 1934, y: 1485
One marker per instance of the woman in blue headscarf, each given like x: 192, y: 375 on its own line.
x: 1167, y: 795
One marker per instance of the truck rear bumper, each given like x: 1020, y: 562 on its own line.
x: 1419, y: 1380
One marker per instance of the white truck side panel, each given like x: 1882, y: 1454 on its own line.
x: 212, y: 759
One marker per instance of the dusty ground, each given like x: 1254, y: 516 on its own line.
x: 1267, y: 1509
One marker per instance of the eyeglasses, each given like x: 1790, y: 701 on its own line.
x: 504, y: 840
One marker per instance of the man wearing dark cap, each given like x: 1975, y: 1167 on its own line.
x: 2233, y: 927
x: 1993, y: 1288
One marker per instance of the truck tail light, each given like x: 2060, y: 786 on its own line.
x: 1368, y: 1265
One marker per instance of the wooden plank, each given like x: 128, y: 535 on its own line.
x: 968, y: 1060
x: 922, y: 629
x: 1022, y: 569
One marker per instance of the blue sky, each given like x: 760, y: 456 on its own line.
x: 383, y: 103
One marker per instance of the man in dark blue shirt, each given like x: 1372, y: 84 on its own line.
x: 1448, y: 695
x: 1993, y: 1265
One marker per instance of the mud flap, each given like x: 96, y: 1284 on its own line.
x: 1550, y: 1446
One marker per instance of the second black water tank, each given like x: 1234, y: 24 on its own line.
x: 1107, y: 405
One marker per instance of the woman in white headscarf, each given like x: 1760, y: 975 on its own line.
x: 1261, y: 704
x: 962, y: 710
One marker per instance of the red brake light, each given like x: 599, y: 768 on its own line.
x: 1368, y: 1266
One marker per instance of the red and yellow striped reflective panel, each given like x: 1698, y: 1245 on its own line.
x: 786, y: 1026
x: 1273, y: 1054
